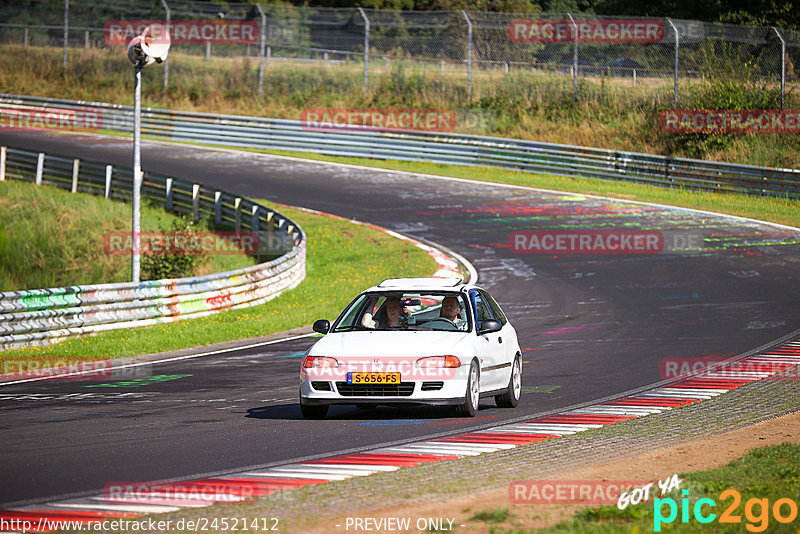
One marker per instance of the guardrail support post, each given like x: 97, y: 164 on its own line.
x: 366, y: 48
x: 254, y: 220
x: 218, y: 207
x: 109, y: 170
x: 86, y: 39
x: 783, y: 66
x: 26, y: 37
x: 3, y: 163
x: 195, y: 202
x: 263, y: 39
x: 469, y: 52
x: 169, y: 28
x: 237, y: 210
x: 574, y: 56
x: 634, y: 77
x: 39, y: 168
x: 677, y: 48
x: 76, y: 167
x: 168, y: 200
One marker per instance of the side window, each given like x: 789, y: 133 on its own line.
x: 482, y: 312
x: 496, y: 311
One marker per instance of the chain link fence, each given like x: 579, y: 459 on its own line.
x: 440, y: 58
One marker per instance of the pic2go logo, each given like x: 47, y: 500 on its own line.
x: 756, y: 511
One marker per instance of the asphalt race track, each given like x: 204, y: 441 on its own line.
x: 590, y: 325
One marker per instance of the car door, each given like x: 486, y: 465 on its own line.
x: 490, y: 348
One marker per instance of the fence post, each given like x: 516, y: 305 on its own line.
x: 366, y: 48
x: 677, y: 48
x: 86, y: 39
x: 39, y: 168
x: 66, y: 33
x: 237, y: 213
x: 168, y: 200
x: 574, y: 56
x: 169, y: 28
x: 109, y: 170
x: 263, y: 39
x: 469, y: 53
x: 254, y: 219
x: 195, y: 202
x: 269, y: 55
x: 217, y: 207
x: 634, y: 77
x: 76, y: 167
x: 783, y: 66
x: 2, y: 163
x: 26, y: 37
x: 208, y: 50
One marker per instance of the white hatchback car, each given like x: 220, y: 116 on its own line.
x: 430, y: 341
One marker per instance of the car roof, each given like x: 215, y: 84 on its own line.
x: 411, y: 284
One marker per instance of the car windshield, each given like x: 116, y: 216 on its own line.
x: 399, y: 310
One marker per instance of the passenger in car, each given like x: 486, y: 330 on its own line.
x: 388, y: 316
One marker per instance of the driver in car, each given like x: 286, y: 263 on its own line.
x: 451, y: 307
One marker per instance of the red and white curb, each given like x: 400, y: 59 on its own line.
x: 245, y: 486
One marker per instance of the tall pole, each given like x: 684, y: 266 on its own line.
x: 469, y: 52
x: 574, y: 56
x: 366, y: 48
x: 137, y: 172
x: 677, y: 48
x: 261, y: 49
x: 66, y: 33
x: 783, y: 66
x: 169, y: 28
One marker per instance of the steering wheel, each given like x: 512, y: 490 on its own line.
x: 443, y: 320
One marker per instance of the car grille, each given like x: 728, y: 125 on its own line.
x: 321, y: 386
x: 404, y: 389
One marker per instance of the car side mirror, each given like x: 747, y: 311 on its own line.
x: 489, y: 326
x: 322, y: 326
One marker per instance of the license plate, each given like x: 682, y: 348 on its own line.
x: 373, y: 378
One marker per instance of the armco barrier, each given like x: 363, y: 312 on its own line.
x: 436, y: 147
x: 41, y: 316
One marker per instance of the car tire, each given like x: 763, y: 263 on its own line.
x: 472, y: 396
x: 314, y: 411
x: 510, y: 399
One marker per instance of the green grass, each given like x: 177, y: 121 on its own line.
x: 52, y: 238
x: 770, y: 473
x: 609, y: 113
x: 343, y: 258
x: 495, y: 515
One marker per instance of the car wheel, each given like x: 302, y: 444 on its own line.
x: 510, y: 399
x: 472, y: 396
x: 314, y: 412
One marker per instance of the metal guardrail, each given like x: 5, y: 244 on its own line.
x: 41, y: 316
x: 436, y: 147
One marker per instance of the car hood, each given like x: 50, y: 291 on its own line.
x: 376, y: 344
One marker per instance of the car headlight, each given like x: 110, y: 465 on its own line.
x: 438, y: 361
x: 319, y: 362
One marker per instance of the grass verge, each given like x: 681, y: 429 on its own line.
x: 52, y: 238
x: 758, y: 480
x: 342, y: 259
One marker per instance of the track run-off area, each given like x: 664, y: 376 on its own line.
x: 592, y: 325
